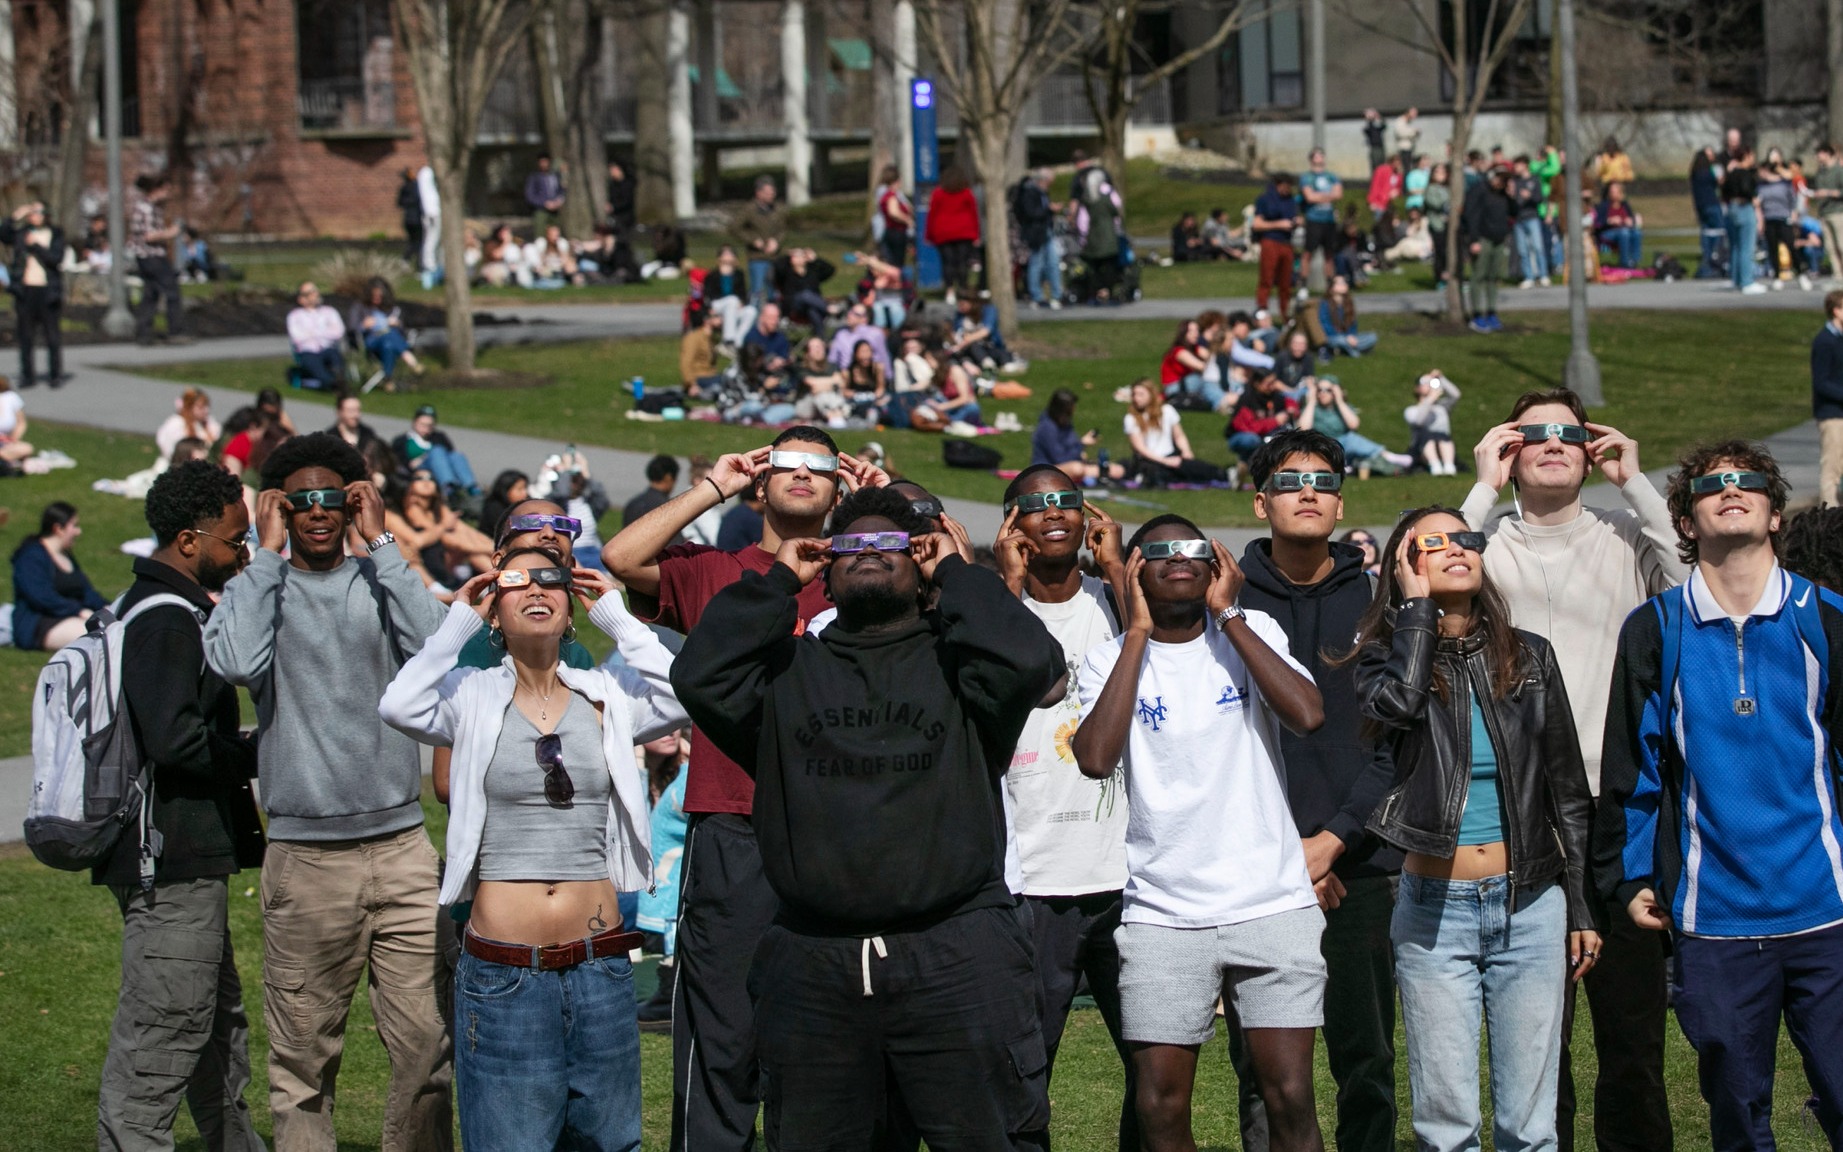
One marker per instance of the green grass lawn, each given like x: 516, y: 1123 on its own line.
x: 1663, y: 372
x: 59, y: 976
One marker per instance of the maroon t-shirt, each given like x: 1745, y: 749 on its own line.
x: 689, y: 575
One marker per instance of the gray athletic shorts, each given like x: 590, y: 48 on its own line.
x: 1270, y: 970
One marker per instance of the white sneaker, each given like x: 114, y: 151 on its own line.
x: 1014, y: 366
x: 1527, y: 283
x: 1055, y: 305
x: 1544, y: 282
x: 1804, y: 282
x: 1754, y: 289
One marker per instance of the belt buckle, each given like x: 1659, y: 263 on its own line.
x: 549, y: 957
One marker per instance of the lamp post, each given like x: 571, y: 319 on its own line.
x: 116, y: 322
x: 1583, y: 371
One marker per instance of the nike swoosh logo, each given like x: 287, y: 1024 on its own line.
x: 1805, y: 597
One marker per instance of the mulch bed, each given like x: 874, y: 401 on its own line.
x: 242, y: 312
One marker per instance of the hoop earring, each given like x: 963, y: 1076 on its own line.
x: 569, y: 634
x: 496, y: 638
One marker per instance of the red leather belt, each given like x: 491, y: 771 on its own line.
x: 549, y: 957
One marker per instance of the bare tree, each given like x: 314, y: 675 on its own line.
x: 652, y: 63
x: 1833, y: 58
x: 1471, y: 58
x: 888, y: 104
x: 991, y: 56
x: 456, y: 50
x: 565, y: 44
x: 1114, y: 89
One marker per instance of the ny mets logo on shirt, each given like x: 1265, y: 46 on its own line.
x: 1152, y: 713
x: 1231, y: 700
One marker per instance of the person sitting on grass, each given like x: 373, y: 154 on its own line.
x: 315, y: 333
x: 1057, y: 443
x: 1184, y: 367
x: 1264, y: 410
x: 1161, y: 451
x: 1617, y: 225
x: 380, y: 323
x: 1220, y: 240
x: 1296, y: 363
x: 13, y: 444
x: 430, y: 531
x: 1326, y: 410
x: 1431, y: 417
x: 1187, y: 243
x: 53, y: 599
x: 1337, y: 314
x: 698, y: 370
x: 976, y: 337
x: 799, y: 279
x: 425, y: 446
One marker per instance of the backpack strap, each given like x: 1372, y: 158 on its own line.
x: 161, y: 600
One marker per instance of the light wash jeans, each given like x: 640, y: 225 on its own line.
x: 1743, y: 231
x: 547, y: 1060
x: 760, y: 272
x: 450, y: 469
x: 1199, y: 384
x: 1459, y: 950
x: 1045, y: 266
x: 1532, y: 248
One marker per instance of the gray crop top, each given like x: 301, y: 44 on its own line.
x: 526, y: 837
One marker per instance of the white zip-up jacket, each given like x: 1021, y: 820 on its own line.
x: 433, y: 702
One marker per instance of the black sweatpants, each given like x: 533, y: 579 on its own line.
x: 158, y: 281
x: 39, y: 314
x: 1628, y: 995
x: 1359, y: 1024
x: 725, y: 906
x: 1073, y: 936
x: 945, y: 1017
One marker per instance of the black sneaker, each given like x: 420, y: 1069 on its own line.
x: 655, y: 1014
x: 25, y: 382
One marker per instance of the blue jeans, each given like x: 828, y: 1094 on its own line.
x: 1359, y: 447
x: 544, y: 1060
x: 451, y: 469
x: 1244, y: 444
x: 1365, y: 342
x: 759, y: 273
x: 1045, y: 266
x: 1459, y: 950
x: 1533, y: 248
x: 1713, y: 232
x: 1628, y: 242
x: 323, y: 369
x: 1743, y: 230
x: 388, y: 346
x: 1730, y: 996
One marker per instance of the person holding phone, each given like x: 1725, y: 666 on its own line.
x: 1189, y: 700
x: 550, y: 823
x: 1491, y: 806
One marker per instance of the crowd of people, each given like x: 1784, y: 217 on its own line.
x: 1286, y: 786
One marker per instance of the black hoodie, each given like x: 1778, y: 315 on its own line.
x: 876, y: 756
x: 1334, y: 777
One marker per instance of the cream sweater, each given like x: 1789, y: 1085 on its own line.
x: 1574, y: 584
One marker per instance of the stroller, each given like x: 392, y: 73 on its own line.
x: 1079, y: 281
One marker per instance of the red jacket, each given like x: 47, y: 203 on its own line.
x: 1262, y: 416
x: 952, y: 216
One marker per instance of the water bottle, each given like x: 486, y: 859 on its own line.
x: 639, y: 386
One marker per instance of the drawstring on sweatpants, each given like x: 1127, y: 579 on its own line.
x: 882, y: 954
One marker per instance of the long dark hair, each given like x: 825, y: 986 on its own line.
x: 56, y: 515
x: 1490, y: 614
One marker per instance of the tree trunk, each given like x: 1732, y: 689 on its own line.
x: 1113, y: 140
x: 1455, y: 171
x: 588, y: 147
x: 887, y: 100
x: 457, y: 293
x: 547, y: 52
x: 990, y: 146
x: 1833, y: 43
x: 652, y: 172
x: 73, y: 150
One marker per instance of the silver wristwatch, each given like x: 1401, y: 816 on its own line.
x: 1232, y: 612
x: 382, y: 538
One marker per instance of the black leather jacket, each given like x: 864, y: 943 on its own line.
x: 1543, y: 786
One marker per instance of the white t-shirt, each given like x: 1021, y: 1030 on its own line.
x: 1209, y: 837
x: 1159, y: 441
x: 11, y: 405
x: 1067, y: 832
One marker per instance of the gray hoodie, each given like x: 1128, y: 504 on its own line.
x: 316, y: 650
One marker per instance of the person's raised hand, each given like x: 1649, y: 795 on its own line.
x: 1614, y: 452
x: 1013, y: 551
x: 807, y: 556
x: 863, y: 473
x: 1103, y: 537
x: 929, y: 550
x: 962, y: 540
x: 272, y: 519
x: 589, y: 585
x: 365, y: 507
x: 1646, y: 912
x: 1491, y: 459
x: 734, y: 472
x: 1225, y: 580
x: 1413, y: 585
x: 1138, y: 609
x: 478, y: 592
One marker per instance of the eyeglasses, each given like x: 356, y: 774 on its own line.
x: 813, y: 461
x: 1567, y: 433
x: 1439, y: 541
x: 1716, y: 481
x: 542, y: 577
x: 559, y: 789
x: 241, y: 545
x: 851, y: 542
x: 537, y: 522
x: 1037, y: 501
x: 1295, y: 481
x: 1176, y: 549
x: 331, y: 499
x: 929, y: 509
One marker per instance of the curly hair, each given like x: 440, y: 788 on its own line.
x: 314, y: 450
x: 188, y: 495
x: 1700, y: 460
x: 1813, y: 545
x: 888, y: 503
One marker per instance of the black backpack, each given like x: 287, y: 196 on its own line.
x: 967, y: 454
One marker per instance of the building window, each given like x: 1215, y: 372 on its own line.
x: 1263, y: 64
x: 346, y: 59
